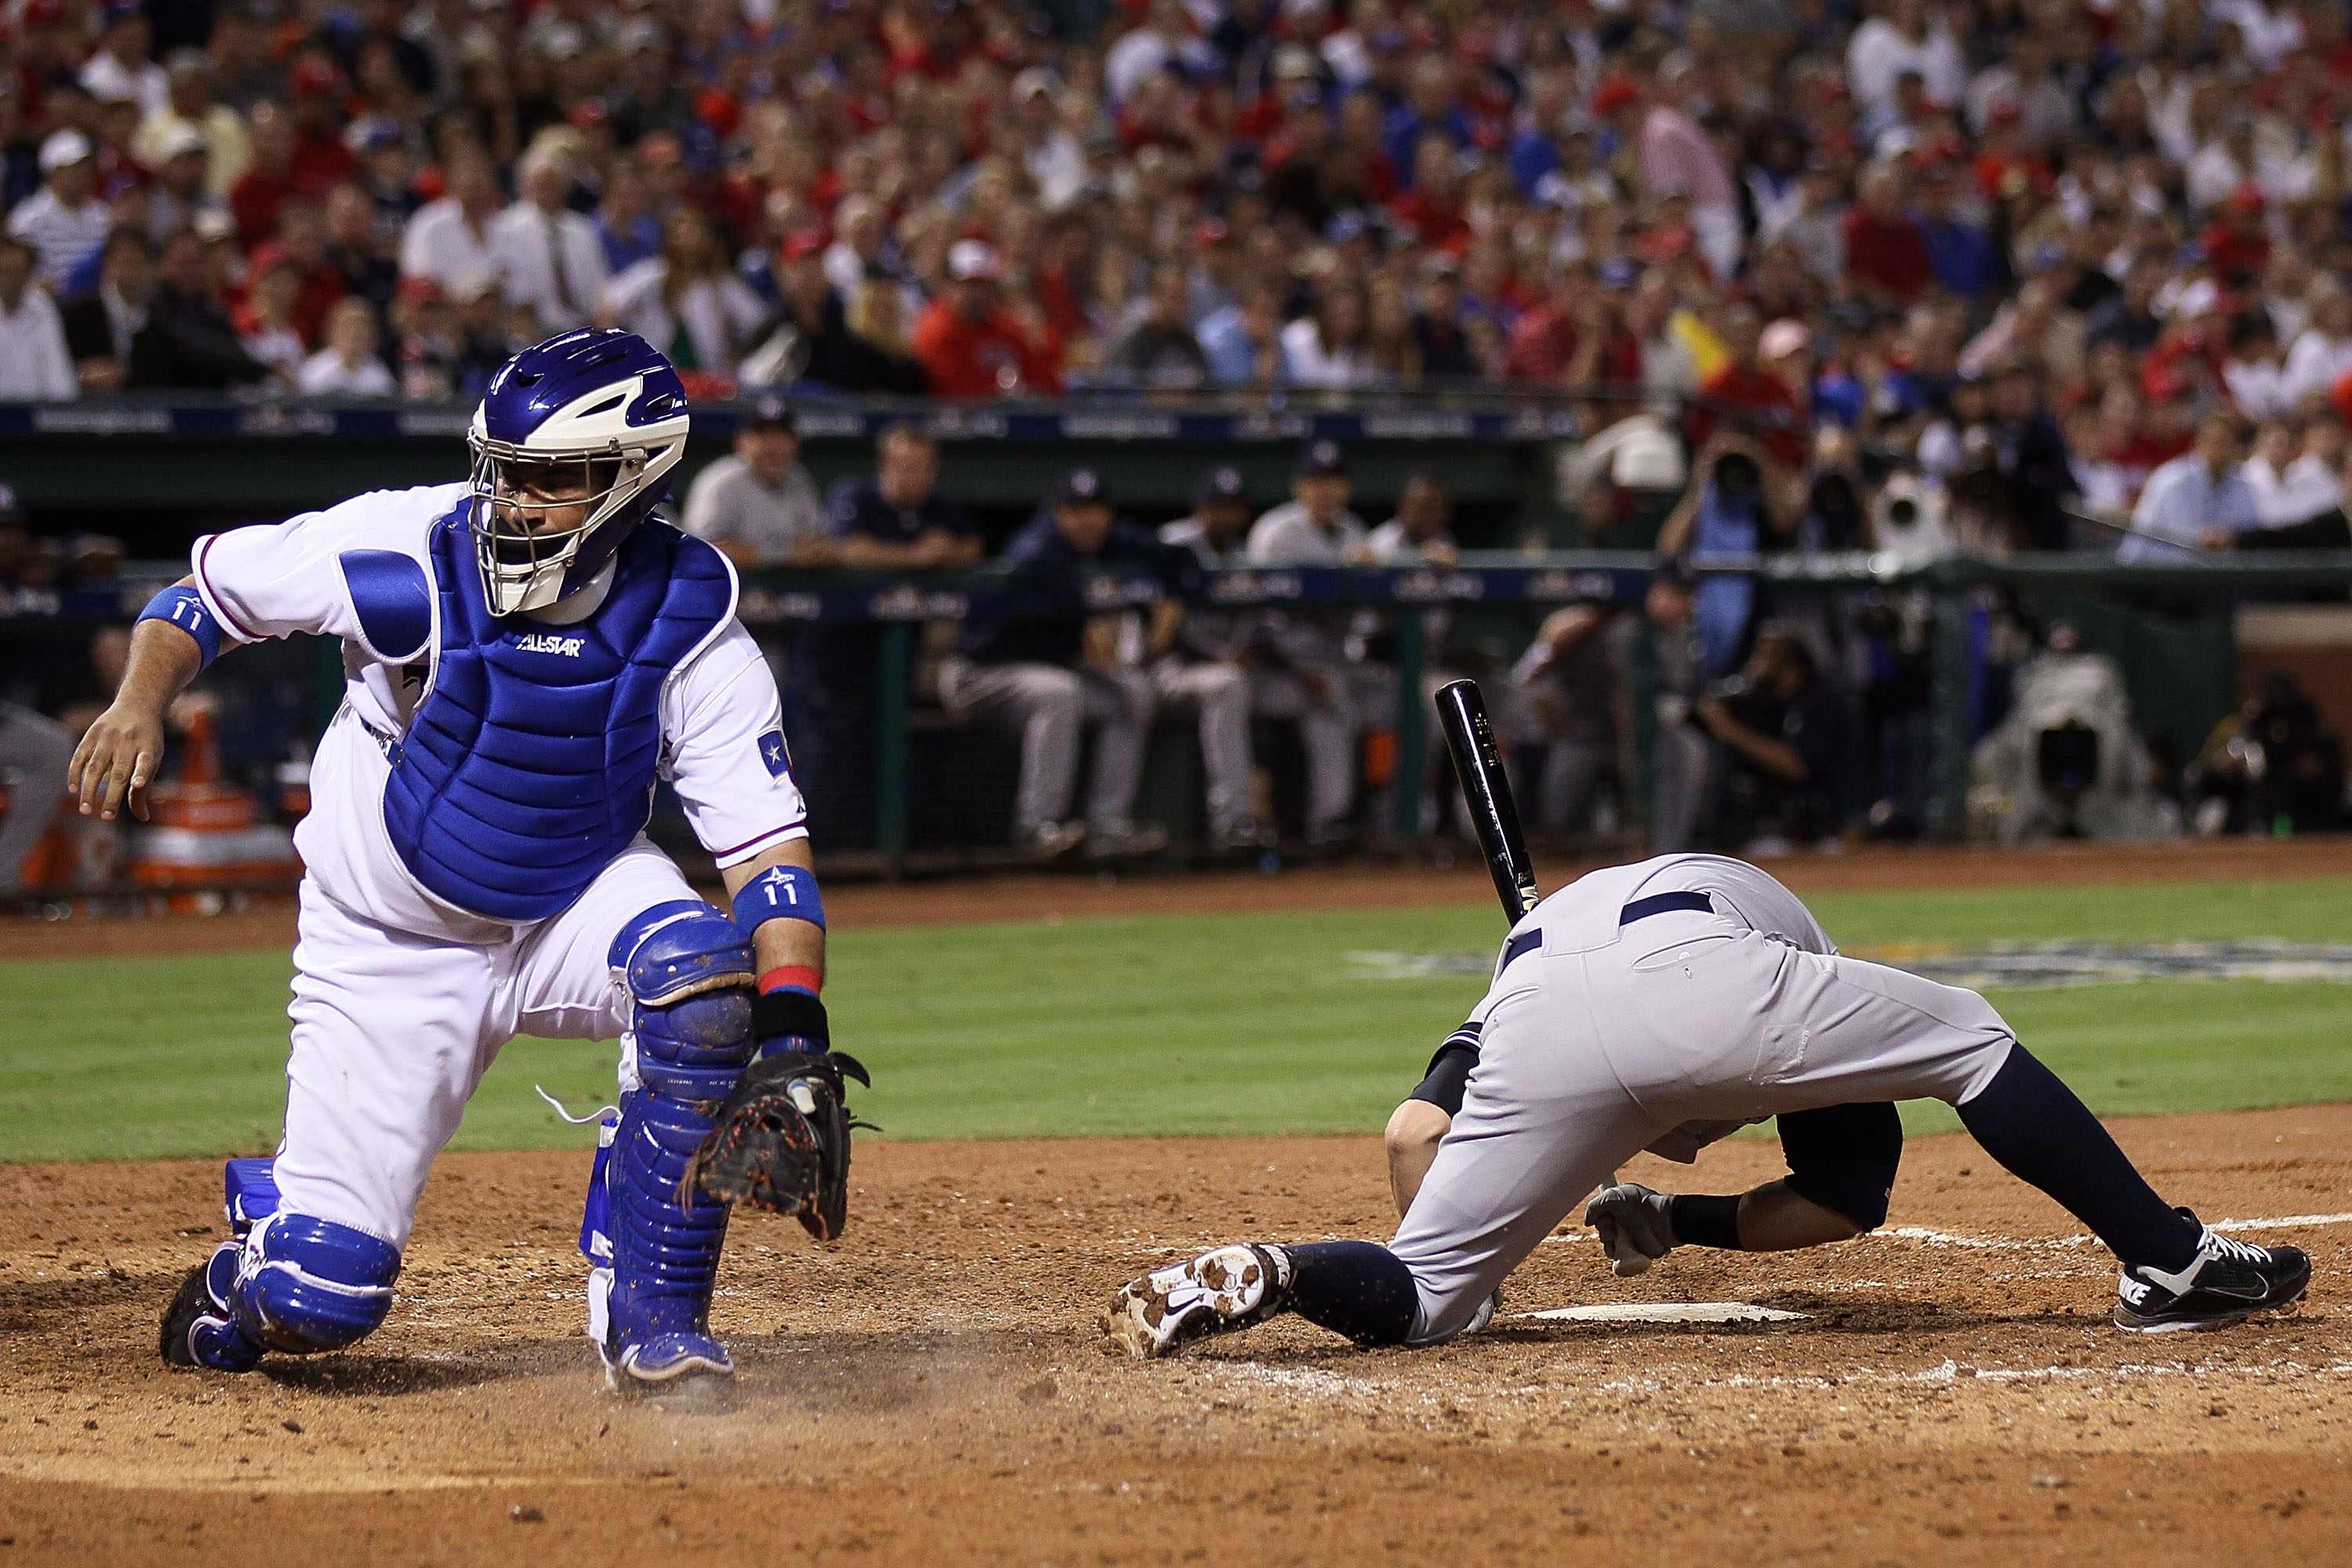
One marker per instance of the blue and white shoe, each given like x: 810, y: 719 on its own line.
x: 198, y: 1330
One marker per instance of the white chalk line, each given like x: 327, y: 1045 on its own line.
x: 1315, y: 1382
x: 1950, y: 1373
x: 2013, y: 1243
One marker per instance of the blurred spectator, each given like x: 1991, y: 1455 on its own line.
x: 2321, y: 354
x: 972, y: 345
x: 1570, y: 682
x: 551, y: 258
x: 810, y: 335
x: 301, y: 243
x: 1315, y: 682
x: 189, y: 106
x: 121, y: 67
x: 35, y: 364
x: 64, y: 221
x: 2274, y: 765
x: 1330, y: 347
x: 1678, y: 787
x: 2297, y: 475
x: 452, y: 240
x: 1160, y: 352
x: 350, y: 364
x: 1887, y: 260
x: 202, y: 352
x: 264, y: 322
x: 1243, y: 341
x: 355, y: 249
x: 2128, y: 317
x: 1751, y: 393
x: 687, y: 301
x: 1421, y: 533
x: 181, y: 192
x: 2197, y: 500
x: 2030, y: 455
x: 107, y: 332
x: 758, y: 505
x: 1053, y: 659
x: 894, y: 520
x: 1782, y: 772
x: 268, y: 178
x: 626, y: 225
x: 886, y: 363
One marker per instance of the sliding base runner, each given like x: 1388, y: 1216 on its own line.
x: 1661, y: 1007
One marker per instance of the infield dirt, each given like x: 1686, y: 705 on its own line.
x: 930, y: 1388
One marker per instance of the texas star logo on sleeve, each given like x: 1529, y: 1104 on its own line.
x: 771, y: 751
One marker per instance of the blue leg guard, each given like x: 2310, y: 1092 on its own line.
x: 289, y: 1282
x: 689, y: 973
x: 305, y: 1285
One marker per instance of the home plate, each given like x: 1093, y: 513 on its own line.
x: 1667, y: 1312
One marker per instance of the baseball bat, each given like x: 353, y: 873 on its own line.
x: 1486, y: 791
x: 1494, y: 815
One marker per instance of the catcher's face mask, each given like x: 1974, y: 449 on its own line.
x: 531, y: 515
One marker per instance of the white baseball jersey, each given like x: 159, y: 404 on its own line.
x: 722, y: 720
x: 402, y: 998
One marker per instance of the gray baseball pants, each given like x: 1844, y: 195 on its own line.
x: 1601, y: 1037
x: 35, y: 750
x: 1048, y: 704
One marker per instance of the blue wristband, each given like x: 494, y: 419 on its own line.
x: 183, y: 608
x: 780, y: 893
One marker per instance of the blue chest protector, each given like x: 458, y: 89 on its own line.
x: 531, y: 762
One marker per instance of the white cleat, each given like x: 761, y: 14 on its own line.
x: 1221, y: 1290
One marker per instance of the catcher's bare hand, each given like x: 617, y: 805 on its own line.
x: 116, y: 761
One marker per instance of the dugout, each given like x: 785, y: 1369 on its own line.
x: 159, y: 474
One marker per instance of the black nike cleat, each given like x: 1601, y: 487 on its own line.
x: 2227, y: 1282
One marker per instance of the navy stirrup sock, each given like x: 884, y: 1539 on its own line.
x: 2033, y: 1124
x: 1358, y: 1289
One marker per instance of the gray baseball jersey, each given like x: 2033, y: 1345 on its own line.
x: 1619, y: 1014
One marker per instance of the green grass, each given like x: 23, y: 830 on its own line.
x: 1239, y: 1024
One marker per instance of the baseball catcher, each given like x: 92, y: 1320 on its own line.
x: 1660, y: 1006
x: 524, y: 656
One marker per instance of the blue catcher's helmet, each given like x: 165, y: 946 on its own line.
x: 570, y: 446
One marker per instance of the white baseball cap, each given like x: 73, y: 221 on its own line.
x: 969, y: 259
x: 63, y: 147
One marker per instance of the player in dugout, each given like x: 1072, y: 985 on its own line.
x: 525, y: 653
x: 1663, y: 1006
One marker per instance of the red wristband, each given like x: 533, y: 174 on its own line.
x: 791, y: 977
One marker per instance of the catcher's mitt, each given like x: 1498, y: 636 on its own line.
x: 781, y: 1142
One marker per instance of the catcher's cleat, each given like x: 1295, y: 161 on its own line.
x: 683, y: 1365
x: 1220, y: 1291
x: 198, y: 1330
x: 2227, y: 1282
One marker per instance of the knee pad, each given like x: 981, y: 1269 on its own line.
x: 304, y: 1285
x: 689, y: 972
x: 1844, y: 1157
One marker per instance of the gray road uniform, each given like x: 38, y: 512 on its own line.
x: 1661, y: 1004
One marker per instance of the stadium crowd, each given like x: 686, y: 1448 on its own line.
x: 1988, y: 276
